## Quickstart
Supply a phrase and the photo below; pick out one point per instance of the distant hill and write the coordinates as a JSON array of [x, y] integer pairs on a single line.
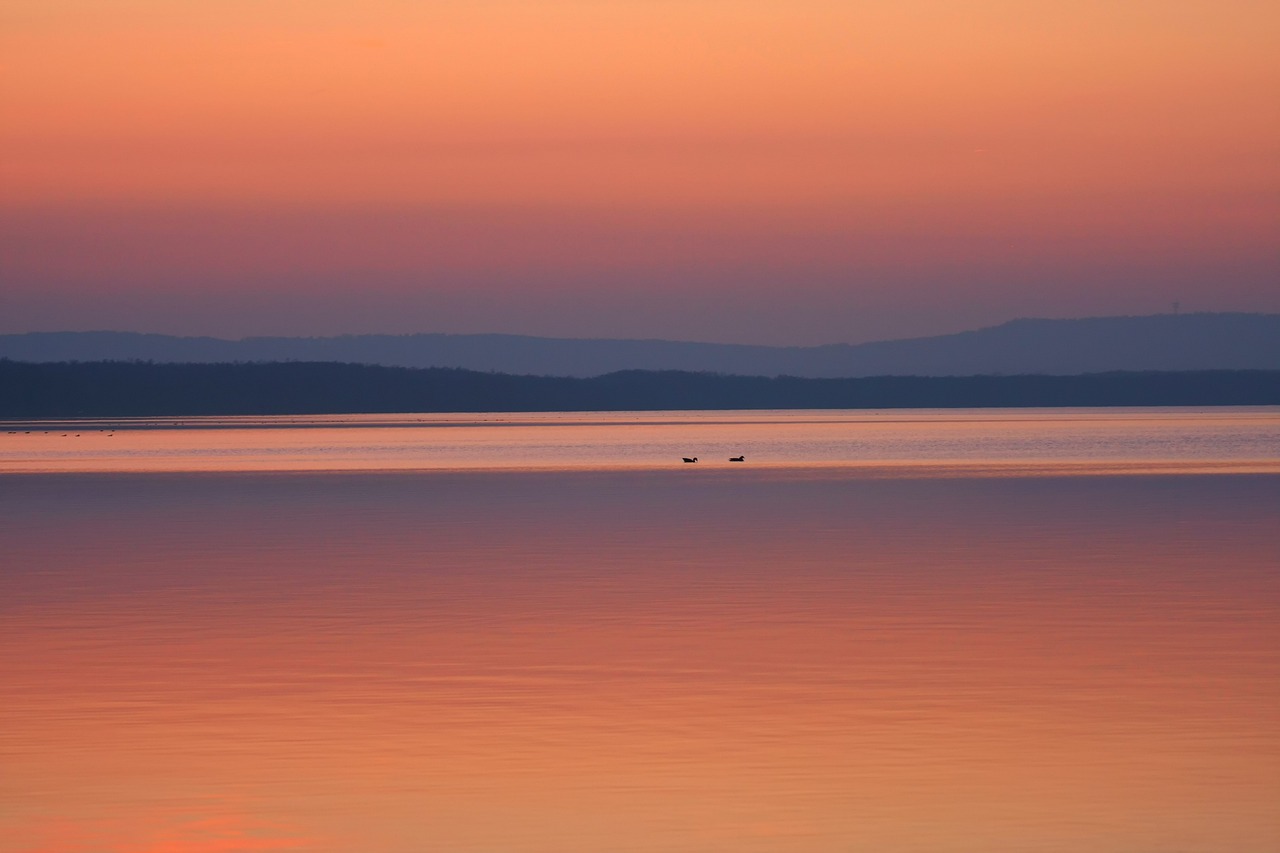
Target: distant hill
[[1165, 342], [138, 389]]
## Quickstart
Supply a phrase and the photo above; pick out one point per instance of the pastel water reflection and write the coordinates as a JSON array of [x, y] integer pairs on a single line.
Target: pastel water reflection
[[781, 659], [1014, 439]]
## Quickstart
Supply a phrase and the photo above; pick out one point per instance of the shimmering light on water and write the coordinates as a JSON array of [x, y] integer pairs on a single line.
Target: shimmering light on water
[[705, 658], [1235, 438]]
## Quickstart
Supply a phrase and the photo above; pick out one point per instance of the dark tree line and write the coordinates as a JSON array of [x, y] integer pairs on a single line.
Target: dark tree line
[[140, 389]]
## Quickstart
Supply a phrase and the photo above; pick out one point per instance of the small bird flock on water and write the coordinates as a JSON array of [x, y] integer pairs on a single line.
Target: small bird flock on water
[[731, 458]]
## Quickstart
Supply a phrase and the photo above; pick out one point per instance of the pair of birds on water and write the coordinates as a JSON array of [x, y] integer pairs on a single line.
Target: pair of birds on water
[[731, 458]]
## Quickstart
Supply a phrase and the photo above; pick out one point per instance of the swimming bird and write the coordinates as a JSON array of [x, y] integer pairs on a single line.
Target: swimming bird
[[737, 459], [688, 459]]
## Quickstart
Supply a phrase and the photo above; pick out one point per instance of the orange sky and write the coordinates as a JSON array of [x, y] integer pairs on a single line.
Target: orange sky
[[895, 167]]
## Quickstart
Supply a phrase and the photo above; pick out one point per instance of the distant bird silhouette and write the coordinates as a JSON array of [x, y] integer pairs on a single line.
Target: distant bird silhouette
[[687, 459], [737, 459]]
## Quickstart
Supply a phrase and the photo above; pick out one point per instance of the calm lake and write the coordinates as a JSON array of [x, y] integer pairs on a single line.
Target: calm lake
[[984, 631]]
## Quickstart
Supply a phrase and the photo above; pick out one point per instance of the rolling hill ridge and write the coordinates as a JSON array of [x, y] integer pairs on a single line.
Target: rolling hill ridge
[[1166, 342]]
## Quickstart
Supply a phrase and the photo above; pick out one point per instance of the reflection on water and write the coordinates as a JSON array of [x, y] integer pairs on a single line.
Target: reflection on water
[[783, 659], [1210, 439]]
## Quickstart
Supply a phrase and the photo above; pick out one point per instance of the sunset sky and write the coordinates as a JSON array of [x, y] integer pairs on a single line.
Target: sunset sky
[[754, 171]]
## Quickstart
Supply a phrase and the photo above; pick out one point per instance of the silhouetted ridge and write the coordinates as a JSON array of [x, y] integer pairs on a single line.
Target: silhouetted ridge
[[1058, 347], [140, 389]]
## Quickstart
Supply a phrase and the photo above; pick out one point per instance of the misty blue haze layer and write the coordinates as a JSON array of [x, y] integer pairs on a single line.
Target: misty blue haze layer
[[1062, 347]]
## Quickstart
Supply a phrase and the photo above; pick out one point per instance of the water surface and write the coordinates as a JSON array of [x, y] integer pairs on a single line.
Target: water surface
[[1221, 439], [1000, 650]]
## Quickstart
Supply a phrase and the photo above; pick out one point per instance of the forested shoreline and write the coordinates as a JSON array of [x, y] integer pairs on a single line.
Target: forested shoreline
[[142, 389]]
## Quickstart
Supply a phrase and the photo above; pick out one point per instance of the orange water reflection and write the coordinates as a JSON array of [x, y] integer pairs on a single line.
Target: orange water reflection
[[637, 661], [962, 442]]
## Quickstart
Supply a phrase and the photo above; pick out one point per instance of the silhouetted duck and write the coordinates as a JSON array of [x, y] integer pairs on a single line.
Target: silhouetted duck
[[737, 459], [689, 459]]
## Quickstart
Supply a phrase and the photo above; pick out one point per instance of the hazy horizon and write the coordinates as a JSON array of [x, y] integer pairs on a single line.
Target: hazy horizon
[[763, 173], [89, 329]]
